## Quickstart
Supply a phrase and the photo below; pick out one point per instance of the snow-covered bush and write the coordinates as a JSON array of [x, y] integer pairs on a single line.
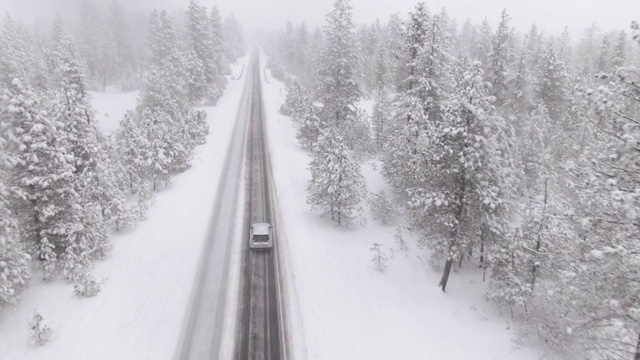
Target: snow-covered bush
[[86, 286], [277, 71], [379, 259], [382, 208], [39, 332], [400, 241]]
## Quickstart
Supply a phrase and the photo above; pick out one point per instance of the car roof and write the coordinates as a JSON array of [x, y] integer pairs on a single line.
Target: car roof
[[261, 228]]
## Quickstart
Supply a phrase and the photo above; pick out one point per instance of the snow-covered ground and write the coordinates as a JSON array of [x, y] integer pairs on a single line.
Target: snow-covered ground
[[340, 308], [110, 107], [148, 278]]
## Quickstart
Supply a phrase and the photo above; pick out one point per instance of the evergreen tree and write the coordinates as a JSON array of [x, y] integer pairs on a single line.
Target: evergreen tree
[[119, 34], [309, 129], [90, 45], [337, 187], [423, 102], [15, 270], [466, 192], [234, 38], [218, 45], [551, 88], [45, 172], [500, 61], [203, 63], [339, 90], [15, 61], [131, 143]]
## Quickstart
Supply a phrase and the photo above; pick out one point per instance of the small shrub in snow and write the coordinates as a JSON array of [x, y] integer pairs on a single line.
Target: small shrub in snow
[[382, 209], [86, 286], [402, 244], [379, 259], [39, 332]]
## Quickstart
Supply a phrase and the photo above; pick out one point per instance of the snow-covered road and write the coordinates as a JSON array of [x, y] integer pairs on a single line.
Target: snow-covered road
[[261, 336], [207, 334]]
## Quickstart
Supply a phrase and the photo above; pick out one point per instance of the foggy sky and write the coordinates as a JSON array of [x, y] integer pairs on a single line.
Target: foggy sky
[[255, 15]]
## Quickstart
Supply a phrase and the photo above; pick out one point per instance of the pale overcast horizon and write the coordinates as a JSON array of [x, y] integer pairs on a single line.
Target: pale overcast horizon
[[551, 15]]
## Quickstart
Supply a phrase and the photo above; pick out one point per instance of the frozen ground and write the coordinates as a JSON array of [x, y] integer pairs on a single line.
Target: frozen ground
[[110, 107], [340, 308], [148, 277]]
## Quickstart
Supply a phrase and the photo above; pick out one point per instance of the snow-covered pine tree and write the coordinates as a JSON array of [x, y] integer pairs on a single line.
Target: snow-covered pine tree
[[400, 162], [338, 90], [90, 44], [203, 63], [15, 266], [164, 103], [297, 102], [484, 46], [233, 38], [302, 65], [39, 332], [381, 115], [218, 45], [552, 82], [466, 192], [602, 289], [197, 127], [43, 168], [379, 258], [195, 81], [309, 129], [15, 61], [500, 61], [94, 174], [119, 35], [421, 104], [620, 53], [131, 143], [53, 52], [159, 157], [519, 84], [337, 187]]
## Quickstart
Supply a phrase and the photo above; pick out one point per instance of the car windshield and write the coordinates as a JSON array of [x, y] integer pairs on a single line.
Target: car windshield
[[261, 238]]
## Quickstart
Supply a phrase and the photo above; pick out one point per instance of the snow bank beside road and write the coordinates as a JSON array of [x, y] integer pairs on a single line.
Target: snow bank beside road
[[140, 312], [345, 309]]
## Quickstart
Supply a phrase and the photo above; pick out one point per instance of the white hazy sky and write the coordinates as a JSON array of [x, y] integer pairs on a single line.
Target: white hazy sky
[[552, 15]]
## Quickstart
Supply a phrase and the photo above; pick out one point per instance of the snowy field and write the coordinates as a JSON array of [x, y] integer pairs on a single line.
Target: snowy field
[[110, 108], [148, 277], [341, 308]]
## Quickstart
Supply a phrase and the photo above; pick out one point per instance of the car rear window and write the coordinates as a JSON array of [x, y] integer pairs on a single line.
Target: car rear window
[[261, 238]]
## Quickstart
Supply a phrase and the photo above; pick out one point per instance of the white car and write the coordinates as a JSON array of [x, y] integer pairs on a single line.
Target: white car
[[261, 236]]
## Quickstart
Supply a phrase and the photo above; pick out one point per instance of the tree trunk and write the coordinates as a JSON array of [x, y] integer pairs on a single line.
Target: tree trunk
[[534, 266], [482, 249], [445, 274]]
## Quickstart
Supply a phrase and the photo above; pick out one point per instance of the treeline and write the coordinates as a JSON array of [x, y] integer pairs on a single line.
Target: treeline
[[64, 186], [514, 153]]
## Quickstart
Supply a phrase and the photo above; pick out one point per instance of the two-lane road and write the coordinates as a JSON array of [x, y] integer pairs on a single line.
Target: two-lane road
[[260, 335], [258, 331]]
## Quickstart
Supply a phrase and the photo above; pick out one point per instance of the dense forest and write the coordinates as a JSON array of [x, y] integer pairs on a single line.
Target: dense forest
[[513, 153], [64, 185]]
